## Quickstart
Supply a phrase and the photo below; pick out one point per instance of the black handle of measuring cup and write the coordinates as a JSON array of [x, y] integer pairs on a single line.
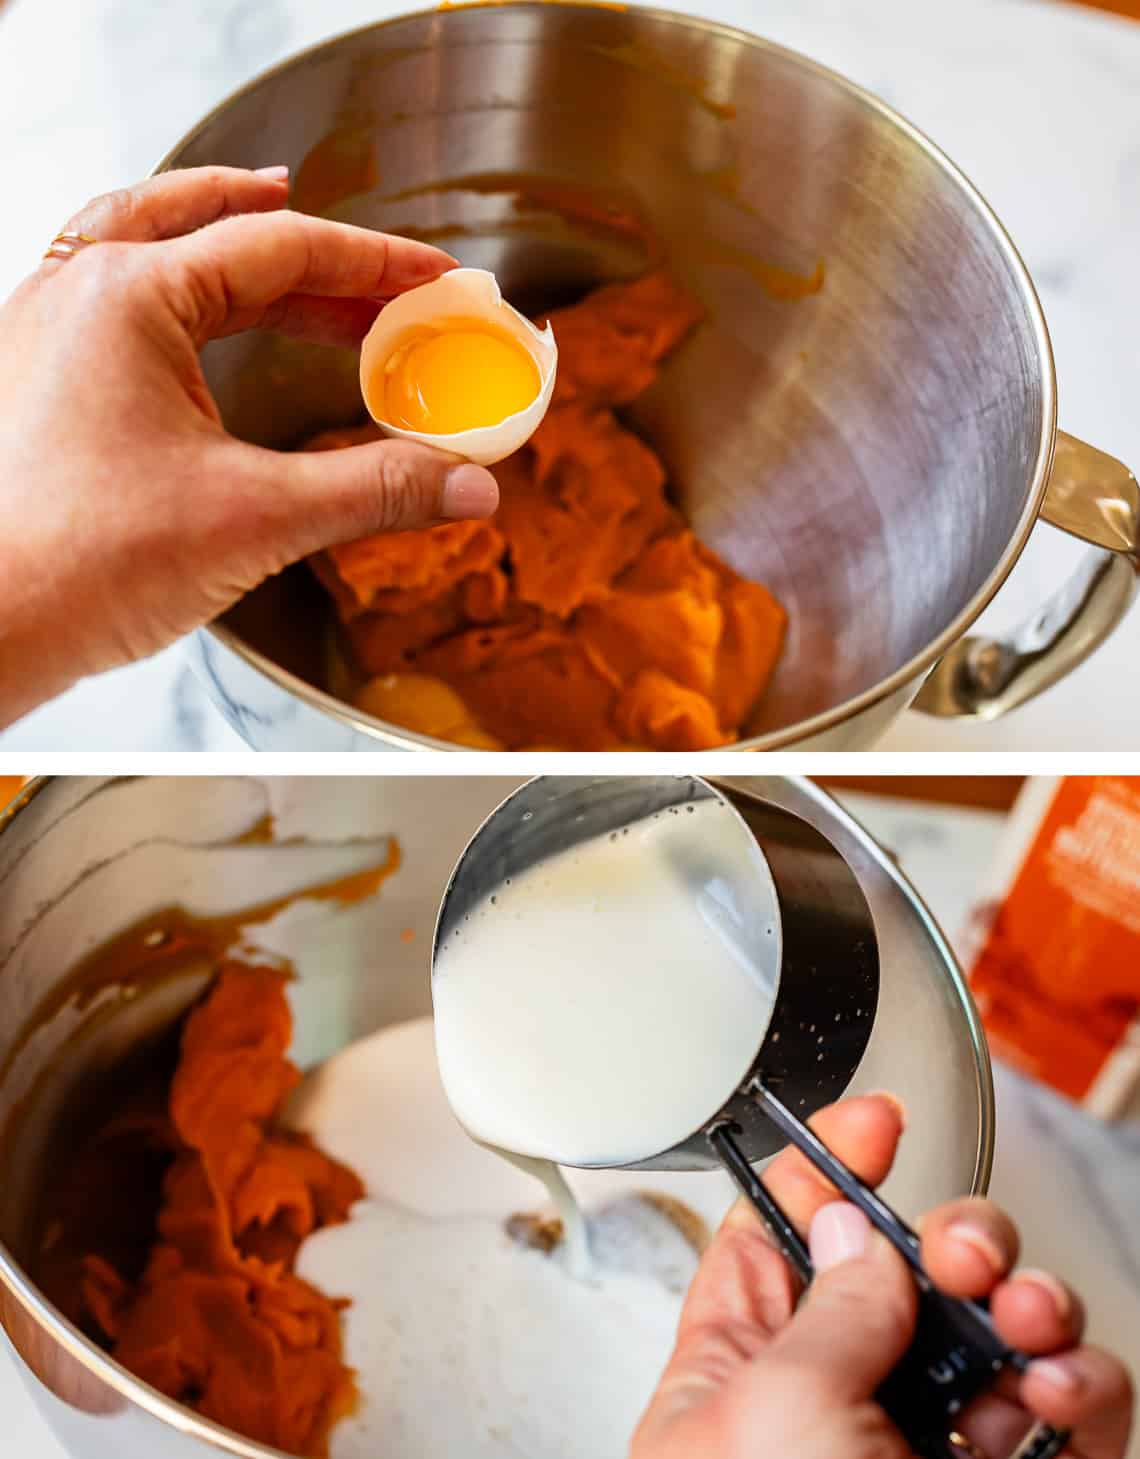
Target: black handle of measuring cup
[[956, 1353]]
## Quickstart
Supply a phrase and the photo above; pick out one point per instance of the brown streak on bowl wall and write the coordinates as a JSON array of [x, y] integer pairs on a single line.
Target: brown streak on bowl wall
[[171, 942]]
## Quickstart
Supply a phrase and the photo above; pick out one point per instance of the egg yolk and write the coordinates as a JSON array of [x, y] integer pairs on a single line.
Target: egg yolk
[[425, 705], [458, 377]]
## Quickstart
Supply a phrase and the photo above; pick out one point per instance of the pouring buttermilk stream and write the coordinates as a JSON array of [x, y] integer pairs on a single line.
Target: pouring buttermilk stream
[[594, 1010]]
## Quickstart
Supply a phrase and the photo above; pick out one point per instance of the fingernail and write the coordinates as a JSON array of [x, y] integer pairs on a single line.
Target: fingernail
[[981, 1242], [894, 1101], [469, 491], [1049, 1284], [274, 174], [1057, 1374], [839, 1232]]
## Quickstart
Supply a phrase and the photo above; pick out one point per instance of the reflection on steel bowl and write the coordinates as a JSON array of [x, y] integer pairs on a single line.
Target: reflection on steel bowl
[[873, 439]]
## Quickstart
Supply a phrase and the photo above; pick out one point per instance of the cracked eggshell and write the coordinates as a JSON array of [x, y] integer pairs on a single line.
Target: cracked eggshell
[[463, 293]]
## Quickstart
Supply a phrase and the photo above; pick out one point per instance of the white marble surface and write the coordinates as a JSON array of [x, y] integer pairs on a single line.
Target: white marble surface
[[1038, 102], [1073, 1185]]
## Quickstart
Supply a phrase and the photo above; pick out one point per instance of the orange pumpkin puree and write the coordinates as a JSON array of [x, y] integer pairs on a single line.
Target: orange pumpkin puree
[[584, 615], [194, 1291]]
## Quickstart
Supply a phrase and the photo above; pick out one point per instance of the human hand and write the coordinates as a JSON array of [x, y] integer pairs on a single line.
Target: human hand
[[131, 515], [751, 1375]]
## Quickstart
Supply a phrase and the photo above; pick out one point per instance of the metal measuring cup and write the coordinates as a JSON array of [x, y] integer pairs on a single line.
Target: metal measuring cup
[[825, 965]]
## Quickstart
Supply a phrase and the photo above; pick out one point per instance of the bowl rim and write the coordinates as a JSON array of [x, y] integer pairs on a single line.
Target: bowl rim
[[916, 667], [166, 1410]]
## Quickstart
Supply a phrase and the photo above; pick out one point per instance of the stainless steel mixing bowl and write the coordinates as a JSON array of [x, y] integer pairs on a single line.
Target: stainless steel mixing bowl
[[82, 859], [877, 451]]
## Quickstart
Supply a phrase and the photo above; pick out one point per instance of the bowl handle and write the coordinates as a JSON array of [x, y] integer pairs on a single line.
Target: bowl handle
[[1094, 497]]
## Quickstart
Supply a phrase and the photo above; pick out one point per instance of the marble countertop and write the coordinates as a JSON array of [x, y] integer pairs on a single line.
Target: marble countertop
[[1073, 1185], [1036, 101]]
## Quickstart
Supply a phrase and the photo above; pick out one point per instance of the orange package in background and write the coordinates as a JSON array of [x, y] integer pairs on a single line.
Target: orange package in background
[[10, 785], [1056, 962]]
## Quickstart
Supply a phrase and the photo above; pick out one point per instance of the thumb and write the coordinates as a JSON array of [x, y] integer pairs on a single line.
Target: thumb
[[321, 498], [742, 1293], [859, 1314]]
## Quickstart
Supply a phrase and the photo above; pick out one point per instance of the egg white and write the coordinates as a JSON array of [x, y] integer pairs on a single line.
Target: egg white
[[464, 293]]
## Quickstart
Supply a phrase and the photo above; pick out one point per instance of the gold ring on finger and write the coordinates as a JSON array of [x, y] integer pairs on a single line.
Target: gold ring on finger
[[67, 245], [967, 1447]]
